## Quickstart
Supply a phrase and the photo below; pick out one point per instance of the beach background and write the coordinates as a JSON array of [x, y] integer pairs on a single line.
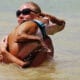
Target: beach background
[[66, 62]]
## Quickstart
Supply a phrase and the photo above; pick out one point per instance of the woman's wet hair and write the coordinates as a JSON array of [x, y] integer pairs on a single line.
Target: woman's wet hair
[[36, 7]]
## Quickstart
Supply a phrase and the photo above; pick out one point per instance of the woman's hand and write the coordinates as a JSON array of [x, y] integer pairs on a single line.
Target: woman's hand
[[3, 44]]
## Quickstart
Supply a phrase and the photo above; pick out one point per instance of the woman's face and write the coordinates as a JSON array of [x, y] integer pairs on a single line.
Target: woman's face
[[26, 12]]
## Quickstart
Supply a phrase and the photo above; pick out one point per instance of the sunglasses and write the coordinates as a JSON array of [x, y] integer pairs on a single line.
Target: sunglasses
[[24, 12]]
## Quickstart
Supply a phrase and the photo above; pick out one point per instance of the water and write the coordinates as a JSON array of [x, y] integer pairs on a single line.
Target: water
[[66, 63]]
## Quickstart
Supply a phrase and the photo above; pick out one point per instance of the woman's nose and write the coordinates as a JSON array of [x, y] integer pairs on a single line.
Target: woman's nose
[[21, 16]]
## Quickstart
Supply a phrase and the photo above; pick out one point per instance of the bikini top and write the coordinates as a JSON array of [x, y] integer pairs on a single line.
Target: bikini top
[[41, 27]]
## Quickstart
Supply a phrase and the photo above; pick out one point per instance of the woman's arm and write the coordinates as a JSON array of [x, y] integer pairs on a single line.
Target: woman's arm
[[9, 58], [55, 24]]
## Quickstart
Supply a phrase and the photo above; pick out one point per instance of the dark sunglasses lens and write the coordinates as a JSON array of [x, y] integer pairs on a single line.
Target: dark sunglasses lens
[[26, 11], [18, 13]]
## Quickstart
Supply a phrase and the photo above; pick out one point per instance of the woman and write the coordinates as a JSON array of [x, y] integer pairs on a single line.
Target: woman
[[29, 11]]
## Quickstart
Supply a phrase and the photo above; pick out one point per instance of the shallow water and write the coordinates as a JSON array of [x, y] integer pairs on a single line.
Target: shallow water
[[66, 63]]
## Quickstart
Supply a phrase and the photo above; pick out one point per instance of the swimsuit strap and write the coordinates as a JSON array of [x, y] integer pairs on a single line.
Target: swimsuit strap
[[42, 28]]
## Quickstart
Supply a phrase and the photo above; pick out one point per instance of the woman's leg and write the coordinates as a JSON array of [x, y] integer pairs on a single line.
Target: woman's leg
[[27, 49], [43, 55]]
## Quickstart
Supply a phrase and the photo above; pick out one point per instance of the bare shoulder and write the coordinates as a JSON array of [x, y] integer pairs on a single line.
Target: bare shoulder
[[28, 26]]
